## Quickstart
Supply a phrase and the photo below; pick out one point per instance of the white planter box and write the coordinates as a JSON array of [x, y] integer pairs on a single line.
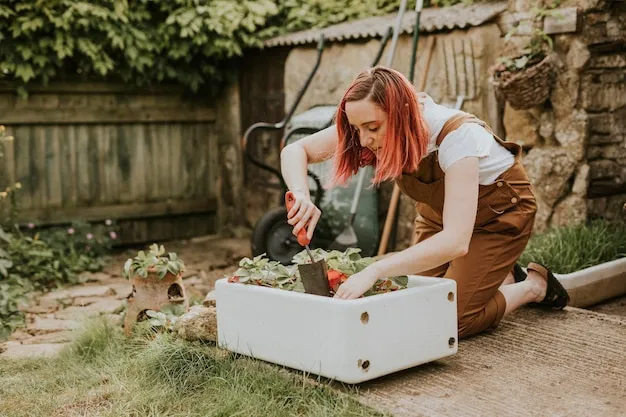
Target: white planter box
[[345, 340]]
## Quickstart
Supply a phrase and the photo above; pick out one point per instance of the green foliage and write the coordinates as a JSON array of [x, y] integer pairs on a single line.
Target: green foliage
[[12, 291], [261, 271], [153, 262], [349, 261], [298, 15], [572, 248], [43, 260], [82, 244], [539, 45], [39, 264], [189, 42], [193, 43]]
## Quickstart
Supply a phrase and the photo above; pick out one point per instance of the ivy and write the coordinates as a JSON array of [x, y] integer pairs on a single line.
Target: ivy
[[142, 42], [193, 43]]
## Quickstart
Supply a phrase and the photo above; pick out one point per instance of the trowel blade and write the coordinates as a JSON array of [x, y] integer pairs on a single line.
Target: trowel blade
[[315, 278]]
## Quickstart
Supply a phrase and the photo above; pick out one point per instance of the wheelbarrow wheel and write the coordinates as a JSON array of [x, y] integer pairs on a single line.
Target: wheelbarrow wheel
[[272, 236]]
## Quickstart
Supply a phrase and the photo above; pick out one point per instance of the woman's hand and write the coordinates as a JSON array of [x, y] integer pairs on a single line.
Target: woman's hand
[[357, 284], [303, 213]]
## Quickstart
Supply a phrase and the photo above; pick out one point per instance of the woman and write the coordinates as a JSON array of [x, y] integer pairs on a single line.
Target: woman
[[475, 202]]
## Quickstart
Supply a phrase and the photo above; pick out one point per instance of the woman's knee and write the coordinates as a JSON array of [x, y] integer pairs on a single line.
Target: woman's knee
[[471, 324]]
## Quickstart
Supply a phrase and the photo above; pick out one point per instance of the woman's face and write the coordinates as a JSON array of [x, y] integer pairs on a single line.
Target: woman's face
[[370, 121]]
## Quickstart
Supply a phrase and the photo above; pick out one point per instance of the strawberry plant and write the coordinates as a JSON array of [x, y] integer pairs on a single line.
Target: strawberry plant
[[261, 271], [153, 262], [341, 265]]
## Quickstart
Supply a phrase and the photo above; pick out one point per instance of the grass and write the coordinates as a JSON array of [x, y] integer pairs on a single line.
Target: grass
[[572, 248], [154, 374]]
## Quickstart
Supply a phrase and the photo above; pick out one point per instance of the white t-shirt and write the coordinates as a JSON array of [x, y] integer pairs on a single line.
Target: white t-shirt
[[470, 139]]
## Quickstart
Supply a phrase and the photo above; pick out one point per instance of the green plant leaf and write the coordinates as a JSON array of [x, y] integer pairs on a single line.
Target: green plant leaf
[[521, 62], [127, 266], [5, 236], [5, 264]]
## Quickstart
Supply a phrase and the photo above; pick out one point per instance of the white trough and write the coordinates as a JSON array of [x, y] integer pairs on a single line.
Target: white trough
[[595, 284], [345, 340]]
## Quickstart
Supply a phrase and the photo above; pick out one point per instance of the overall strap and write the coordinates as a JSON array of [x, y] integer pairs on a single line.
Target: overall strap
[[455, 122]]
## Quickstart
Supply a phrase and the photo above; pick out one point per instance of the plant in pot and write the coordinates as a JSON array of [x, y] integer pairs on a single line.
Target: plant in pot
[[525, 79], [157, 283]]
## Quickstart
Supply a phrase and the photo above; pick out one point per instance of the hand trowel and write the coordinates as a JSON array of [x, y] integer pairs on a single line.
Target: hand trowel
[[314, 275]]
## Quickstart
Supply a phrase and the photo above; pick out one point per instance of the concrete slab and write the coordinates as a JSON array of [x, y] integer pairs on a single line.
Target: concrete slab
[[614, 306], [536, 363]]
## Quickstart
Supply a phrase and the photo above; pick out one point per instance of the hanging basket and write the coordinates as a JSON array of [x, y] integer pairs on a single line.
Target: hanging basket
[[526, 88]]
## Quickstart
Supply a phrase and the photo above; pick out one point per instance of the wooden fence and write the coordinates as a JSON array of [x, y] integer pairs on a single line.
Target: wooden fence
[[95, 151]]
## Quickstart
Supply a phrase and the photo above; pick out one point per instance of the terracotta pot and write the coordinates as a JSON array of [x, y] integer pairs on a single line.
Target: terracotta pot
[[153, 293]]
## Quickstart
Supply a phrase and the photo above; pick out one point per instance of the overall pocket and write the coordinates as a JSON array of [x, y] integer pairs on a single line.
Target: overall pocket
[[498, 208]]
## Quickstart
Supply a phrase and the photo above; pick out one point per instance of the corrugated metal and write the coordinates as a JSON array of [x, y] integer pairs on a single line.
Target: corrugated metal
[[432, 20]]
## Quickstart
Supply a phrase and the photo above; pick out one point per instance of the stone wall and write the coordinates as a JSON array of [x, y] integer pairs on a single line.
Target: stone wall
[[576, 144], [603, 97]]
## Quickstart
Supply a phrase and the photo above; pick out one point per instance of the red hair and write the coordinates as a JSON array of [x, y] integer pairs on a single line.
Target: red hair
[[406, 138]]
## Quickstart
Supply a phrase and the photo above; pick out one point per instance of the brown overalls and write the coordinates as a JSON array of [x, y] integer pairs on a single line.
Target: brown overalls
[[504, 221]]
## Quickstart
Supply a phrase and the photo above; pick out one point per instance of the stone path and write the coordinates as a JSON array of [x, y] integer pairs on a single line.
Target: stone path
[[51, 317]]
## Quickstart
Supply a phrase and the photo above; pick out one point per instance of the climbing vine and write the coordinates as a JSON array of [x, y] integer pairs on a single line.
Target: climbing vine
[[194, 43]]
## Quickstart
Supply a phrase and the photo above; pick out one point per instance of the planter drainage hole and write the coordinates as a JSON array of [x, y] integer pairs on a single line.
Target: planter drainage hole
[[451, 342], [450, 296], [174, 291], [364, 364], [365, 317]]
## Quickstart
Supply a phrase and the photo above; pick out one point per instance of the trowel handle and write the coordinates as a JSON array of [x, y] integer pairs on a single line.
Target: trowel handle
[[290, 199]]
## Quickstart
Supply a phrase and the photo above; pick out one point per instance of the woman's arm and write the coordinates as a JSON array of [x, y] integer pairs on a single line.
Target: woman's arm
[[459, 216], [294, 159]]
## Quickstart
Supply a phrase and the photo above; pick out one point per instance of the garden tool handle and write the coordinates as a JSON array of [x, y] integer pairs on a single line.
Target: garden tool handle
[[290, 199]]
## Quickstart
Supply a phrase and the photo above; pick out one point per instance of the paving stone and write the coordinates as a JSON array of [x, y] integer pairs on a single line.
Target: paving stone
[[101, 306], [42, 309], [19, 335], [56, 337], [15, 350], [115, 319], [122, 289], [193, 280], [49, 325], [95, 276], [83, 291]]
